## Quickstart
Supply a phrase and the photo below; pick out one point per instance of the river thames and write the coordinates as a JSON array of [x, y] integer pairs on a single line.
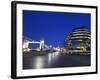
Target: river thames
[[55, 60]]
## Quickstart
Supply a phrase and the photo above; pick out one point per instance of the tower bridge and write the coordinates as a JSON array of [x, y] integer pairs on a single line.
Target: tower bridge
[[42, 45]]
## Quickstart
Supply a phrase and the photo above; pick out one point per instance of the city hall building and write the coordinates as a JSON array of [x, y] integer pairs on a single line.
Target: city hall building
[[79, 41]]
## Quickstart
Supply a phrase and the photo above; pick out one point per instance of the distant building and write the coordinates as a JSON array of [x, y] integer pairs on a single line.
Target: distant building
[[79, 40]]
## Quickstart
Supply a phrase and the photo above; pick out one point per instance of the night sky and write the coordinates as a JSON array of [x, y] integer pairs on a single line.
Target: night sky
[[52, 26]]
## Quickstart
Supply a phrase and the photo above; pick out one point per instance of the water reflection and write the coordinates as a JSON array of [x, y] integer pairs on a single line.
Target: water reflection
[[56, 59], [38, 62], [52, 57], [45, 61]]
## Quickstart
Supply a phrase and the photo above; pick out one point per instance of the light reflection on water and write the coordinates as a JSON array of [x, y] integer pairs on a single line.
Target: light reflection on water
[[53, 57], [42, 61], [39, 63], [56, 59]]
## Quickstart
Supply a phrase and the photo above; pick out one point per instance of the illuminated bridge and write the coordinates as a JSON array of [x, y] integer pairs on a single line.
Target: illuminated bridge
[[41, 43]]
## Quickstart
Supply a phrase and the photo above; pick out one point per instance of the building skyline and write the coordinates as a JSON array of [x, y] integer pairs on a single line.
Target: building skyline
[[52, 26]]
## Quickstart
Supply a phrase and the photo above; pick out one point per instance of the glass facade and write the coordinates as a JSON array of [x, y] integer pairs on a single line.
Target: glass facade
[[78, 39]]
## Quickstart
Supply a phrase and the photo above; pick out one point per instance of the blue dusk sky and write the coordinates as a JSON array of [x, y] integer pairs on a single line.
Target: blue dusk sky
[[52, 26]]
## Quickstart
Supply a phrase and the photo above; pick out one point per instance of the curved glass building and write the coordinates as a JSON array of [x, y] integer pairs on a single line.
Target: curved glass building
[[79, 40]]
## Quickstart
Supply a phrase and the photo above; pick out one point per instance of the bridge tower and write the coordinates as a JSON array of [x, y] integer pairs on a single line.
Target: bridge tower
[[42, 44], [26, 45]]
